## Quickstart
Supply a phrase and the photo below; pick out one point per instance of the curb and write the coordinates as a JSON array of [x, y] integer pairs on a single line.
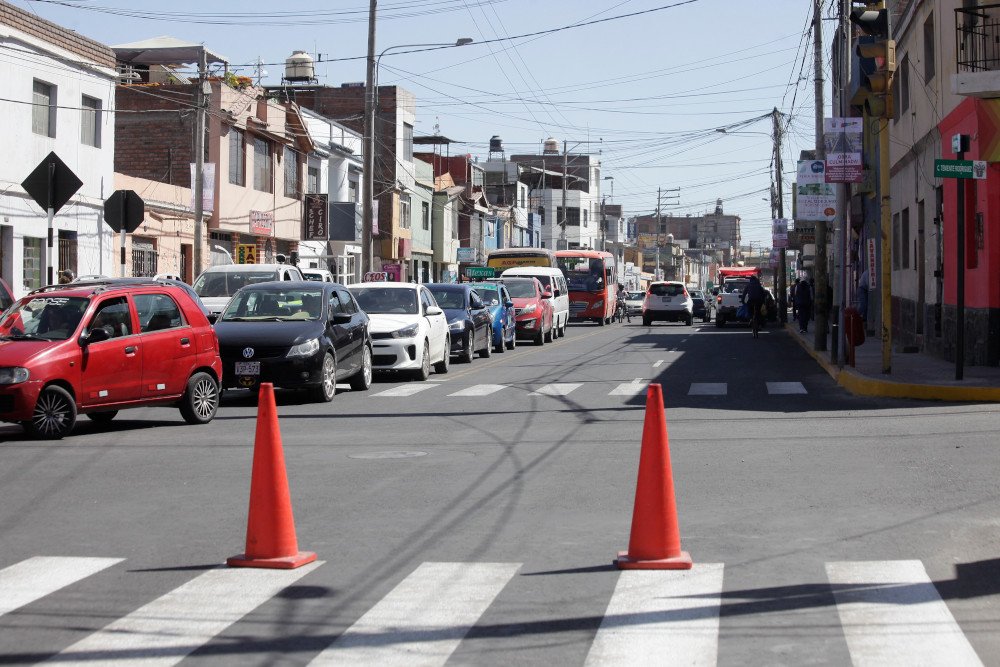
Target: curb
[[862, 385]]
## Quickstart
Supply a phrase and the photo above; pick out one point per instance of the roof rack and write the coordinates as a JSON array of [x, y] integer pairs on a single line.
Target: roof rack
[[101, 285]]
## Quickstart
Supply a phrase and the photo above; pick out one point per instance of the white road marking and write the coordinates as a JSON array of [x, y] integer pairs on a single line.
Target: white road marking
[[480, 390], [658, 363], [633, 388], [34, 578], [708, 389], [404, 390], [557, 389], [661, 617], [786, 388], [169, 628], [892, 615], [423, 619]]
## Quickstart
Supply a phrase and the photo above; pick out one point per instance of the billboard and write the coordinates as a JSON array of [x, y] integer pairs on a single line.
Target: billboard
[[815, 199]]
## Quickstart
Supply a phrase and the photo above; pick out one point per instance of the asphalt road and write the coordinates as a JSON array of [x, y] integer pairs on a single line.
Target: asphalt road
[[479, 528]]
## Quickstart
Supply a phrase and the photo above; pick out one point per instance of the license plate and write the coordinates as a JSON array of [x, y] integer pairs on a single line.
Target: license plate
[[247, 368], [666, 299]]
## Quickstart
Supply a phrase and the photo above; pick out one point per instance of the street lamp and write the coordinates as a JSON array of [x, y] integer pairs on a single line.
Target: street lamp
[[371, 102]]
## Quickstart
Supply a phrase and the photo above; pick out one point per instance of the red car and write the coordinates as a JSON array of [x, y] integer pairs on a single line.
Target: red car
[[532, 308], [97, 348]]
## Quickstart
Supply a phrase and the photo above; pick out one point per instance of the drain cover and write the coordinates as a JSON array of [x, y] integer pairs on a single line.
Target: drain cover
[[388, 455]]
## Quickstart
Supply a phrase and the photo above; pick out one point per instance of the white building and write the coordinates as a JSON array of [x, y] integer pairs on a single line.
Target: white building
[[61, 86]]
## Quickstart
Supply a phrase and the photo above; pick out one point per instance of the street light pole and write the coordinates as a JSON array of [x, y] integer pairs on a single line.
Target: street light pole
[[199, 168]]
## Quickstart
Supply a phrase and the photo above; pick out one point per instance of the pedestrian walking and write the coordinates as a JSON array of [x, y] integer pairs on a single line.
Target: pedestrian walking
[[791, 299], [863, 287], [803, 305]]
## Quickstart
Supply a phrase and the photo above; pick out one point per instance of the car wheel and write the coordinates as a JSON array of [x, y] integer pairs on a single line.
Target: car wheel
[[488, 345], [442, 366], [363, 378], [549, 336], [102, 417], [540, 337], [327, 388], [424, 371], [513, 341], [468, 346], [500, 347], [690, 320], [201, 400], [54, 415]]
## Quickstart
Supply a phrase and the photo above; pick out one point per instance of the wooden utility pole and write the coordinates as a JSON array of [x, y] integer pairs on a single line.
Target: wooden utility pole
[[199, 169], [819, 267], [368, 177], [779, 207]]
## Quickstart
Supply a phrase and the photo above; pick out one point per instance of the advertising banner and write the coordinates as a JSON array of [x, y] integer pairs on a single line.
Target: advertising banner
[[814, 197], [315, 210], [262, 223], [842, 139], [208, 187]]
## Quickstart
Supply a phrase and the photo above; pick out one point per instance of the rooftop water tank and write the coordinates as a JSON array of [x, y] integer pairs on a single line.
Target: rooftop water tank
[[299, 67], [550, 147], [496, 143]]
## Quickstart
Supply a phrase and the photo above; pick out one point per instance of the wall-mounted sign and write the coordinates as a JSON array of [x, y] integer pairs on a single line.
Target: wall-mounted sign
[[842, 139], [815, 199], [466, 255], [315, 212], [262, 223]]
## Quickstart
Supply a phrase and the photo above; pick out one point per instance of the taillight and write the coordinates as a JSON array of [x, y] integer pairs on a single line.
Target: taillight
[[718, 299]]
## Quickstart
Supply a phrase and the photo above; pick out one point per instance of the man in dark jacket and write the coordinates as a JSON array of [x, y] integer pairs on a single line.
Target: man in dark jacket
[[803, 305]]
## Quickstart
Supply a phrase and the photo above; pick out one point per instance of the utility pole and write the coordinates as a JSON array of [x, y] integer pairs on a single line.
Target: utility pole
[[368, 177], [658, 223], [782, 282], [820, 268], [838, 341], [199, 166]]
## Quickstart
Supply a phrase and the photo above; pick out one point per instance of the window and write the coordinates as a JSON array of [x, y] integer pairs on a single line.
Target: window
[[32, 264], [586, 213], [113, 316], [904, 240], [404, 211], [929, 49], [895, 240], [157, 312], [291, 173], [425, 215], [237, 161], [347, 302], [43, 112], [407, 142], [352, 191], [262, 174], [572, 216], [454, 223], [90, 122], [904, 84], [312, 176], [143, 257], [895, 96]]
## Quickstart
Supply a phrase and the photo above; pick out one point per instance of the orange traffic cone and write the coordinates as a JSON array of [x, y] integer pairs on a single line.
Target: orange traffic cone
[[271, 541], [655, 541]]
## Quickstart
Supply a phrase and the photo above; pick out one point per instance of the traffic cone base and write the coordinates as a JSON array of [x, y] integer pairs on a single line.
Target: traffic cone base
[[681, 562], [281, 563]]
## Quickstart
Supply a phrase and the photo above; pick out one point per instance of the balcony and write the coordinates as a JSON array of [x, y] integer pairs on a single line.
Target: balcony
[[977, 49]]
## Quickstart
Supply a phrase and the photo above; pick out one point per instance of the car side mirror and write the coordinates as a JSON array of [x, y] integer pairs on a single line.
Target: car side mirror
[[508, 304], [433, 310], [95, 336], [341, 318], [212, 317]]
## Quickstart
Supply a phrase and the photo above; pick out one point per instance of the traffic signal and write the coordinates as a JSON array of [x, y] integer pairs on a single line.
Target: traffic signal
[[878, 57]]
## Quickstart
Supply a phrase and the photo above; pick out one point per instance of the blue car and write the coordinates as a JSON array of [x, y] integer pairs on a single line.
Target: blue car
[[501, 306], [469, 321]]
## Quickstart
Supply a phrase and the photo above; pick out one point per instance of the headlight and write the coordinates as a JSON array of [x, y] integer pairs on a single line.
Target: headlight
[[457, 326], [306, 349], [14, 375], [528, 309], [406, 332]]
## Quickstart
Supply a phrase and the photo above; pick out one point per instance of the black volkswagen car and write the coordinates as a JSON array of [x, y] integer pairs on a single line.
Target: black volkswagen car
[[296, 335], [470, 322]]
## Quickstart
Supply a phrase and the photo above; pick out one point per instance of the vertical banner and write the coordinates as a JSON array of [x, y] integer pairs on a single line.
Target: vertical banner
[[873, 267], [814, 197], [208, 187], [842, 139], [779, 233], [315, 212]]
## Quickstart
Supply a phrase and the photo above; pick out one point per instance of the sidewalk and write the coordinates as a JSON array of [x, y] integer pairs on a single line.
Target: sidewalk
[[914, 375]]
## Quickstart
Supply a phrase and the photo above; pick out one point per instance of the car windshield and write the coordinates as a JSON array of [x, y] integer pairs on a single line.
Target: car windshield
[[226, 283], [521, 289], [635, 295], [274, 305], [43, 317], [666, 289], [386, 300], [735, 286], [490, 297], [317, 277], [696, 294], [582, 273], [452, 299]]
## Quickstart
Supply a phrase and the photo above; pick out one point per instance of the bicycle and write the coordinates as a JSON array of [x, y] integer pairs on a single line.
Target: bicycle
[[621, 312]]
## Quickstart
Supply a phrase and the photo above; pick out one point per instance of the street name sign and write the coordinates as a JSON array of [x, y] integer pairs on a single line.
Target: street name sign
[[480, 272], [960, 169]]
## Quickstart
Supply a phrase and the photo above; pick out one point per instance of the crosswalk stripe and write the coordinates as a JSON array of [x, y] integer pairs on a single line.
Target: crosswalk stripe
[[892, 615], [708, 389], [167, 629], [632, 388], [34, 578], [661, 617], [404, 390], [557, 389], [786, 388], [423, 619], [480, 390]]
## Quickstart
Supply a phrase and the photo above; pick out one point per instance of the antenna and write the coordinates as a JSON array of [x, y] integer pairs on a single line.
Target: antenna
[[259, 71]]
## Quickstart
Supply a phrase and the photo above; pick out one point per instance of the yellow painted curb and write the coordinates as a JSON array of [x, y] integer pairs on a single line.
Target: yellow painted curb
[[862, 385]]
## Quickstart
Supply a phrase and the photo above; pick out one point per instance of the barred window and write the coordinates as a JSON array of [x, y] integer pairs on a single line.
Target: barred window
[[143, 257], [43, 111], [291, 173]]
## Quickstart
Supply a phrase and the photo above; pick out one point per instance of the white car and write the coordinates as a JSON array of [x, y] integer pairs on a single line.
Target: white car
[[409, 331], [217, 284], [318, 275], [667, 301]]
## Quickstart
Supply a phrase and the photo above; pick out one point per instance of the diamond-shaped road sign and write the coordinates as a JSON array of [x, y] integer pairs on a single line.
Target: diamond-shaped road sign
[[124, 208], [52, 183]]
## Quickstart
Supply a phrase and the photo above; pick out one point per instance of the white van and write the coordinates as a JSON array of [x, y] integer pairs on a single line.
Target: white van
[[551, 279], [217, 283]]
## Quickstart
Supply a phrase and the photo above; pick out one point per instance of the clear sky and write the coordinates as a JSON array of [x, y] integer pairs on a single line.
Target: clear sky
[[646, 91]]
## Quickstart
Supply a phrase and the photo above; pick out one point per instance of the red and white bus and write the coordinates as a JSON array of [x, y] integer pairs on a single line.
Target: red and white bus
[[592, 276]]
